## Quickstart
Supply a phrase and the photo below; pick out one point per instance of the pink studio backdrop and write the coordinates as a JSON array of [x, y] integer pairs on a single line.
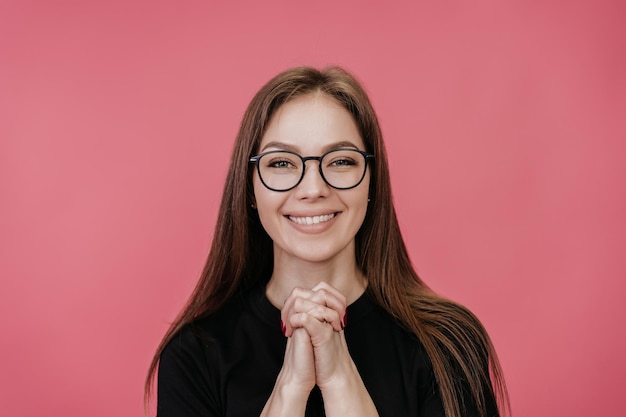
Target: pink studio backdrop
[[505, 129]]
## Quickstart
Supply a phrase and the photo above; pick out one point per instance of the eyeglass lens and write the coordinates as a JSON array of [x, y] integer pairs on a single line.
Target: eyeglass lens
[[343, 168]]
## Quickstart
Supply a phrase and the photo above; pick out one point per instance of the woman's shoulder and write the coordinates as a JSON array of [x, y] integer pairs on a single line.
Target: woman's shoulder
[[190, 363], [208, 328], [245, 312]]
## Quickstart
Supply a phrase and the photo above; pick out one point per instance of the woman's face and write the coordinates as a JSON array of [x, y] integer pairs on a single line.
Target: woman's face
[[313, 221]]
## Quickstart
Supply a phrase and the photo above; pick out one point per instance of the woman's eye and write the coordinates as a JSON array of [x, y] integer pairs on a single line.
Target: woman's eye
[[343, 162], [280, 164]]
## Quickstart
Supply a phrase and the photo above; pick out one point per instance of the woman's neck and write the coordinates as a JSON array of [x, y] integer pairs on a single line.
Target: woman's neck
[[344, 275]]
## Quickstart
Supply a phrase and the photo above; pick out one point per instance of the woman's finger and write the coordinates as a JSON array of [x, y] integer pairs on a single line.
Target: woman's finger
[[328, 299], [332, 290], [323, 296], [319, 331], [321, 312], [288, 306], [332, 298]]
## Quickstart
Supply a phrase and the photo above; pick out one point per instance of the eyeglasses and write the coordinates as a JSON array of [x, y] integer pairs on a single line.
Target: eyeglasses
[[342, 169]]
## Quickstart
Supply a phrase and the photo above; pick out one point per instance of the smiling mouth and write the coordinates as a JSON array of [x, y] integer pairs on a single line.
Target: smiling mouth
[[312, 220]]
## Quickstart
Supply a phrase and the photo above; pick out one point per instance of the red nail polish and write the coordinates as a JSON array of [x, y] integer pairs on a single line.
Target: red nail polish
[[283, 328], [344, 322]]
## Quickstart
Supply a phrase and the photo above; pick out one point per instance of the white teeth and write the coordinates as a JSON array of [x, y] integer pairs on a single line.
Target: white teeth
[[312, 220]]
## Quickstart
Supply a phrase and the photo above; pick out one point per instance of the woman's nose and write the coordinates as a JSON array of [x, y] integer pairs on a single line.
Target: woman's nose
[[312, 184]]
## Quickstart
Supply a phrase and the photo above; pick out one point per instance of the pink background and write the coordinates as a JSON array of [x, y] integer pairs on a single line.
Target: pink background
[[505, 129]]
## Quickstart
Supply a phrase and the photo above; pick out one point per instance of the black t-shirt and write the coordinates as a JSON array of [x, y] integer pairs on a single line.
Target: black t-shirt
[[226, 364]]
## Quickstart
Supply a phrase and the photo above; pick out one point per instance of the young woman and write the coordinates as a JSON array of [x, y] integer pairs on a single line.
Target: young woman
[[308, 304]]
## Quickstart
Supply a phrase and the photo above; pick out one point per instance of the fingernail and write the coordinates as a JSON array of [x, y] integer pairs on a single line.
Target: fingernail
[[344, 322], [283, 328]]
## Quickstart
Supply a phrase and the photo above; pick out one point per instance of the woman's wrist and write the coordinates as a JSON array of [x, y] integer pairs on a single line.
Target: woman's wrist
[[340, 383], [287, 399], [291, 388], [345, 395]]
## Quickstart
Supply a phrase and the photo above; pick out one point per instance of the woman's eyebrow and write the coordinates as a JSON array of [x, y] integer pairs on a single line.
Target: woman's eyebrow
[[338, 145], [288, 147], [280, 145]]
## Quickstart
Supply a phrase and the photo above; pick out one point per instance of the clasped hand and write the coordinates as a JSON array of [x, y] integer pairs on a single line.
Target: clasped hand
[[316, 353]]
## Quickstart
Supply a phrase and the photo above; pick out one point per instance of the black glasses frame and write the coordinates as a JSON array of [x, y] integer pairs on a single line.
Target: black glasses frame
[[255, 160]]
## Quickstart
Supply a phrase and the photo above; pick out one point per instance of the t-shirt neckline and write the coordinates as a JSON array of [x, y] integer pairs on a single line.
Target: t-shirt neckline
[[271, 315]]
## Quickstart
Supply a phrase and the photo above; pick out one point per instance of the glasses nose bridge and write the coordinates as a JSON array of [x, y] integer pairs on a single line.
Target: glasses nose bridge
[[305, 159], [312, 158]]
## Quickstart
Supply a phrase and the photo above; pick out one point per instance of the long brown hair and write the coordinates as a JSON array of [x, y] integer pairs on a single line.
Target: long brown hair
[[241, 253]]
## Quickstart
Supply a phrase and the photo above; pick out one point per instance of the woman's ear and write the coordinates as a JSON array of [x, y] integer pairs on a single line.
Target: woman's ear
[[250, 195], [252, 200]]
